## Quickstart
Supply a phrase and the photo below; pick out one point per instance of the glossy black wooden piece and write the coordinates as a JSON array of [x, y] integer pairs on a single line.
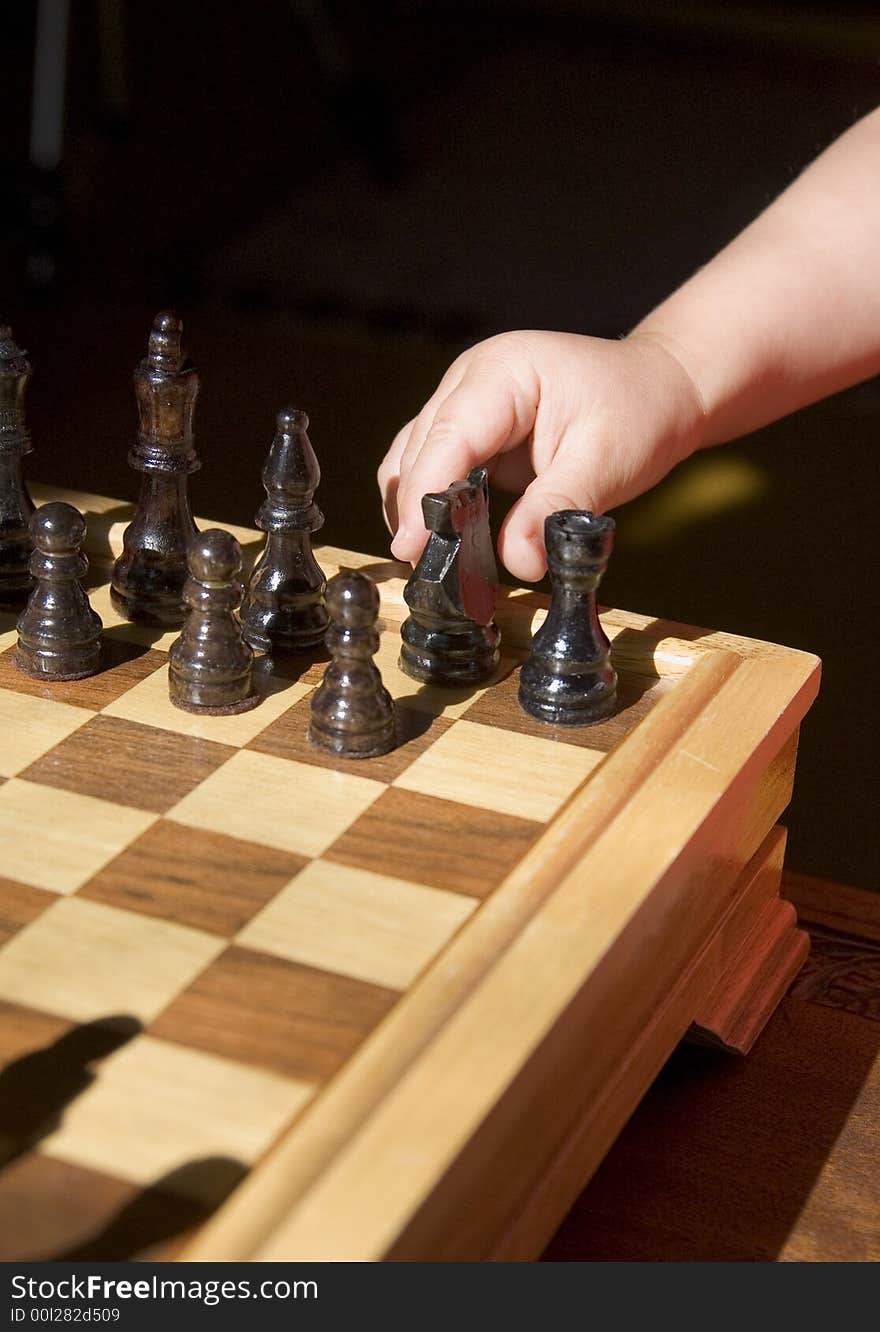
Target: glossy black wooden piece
[[283, 608], [352, 711], [450, 636], [59, 635], [16, 505], [568, 679], [210, 665], [148, 577]]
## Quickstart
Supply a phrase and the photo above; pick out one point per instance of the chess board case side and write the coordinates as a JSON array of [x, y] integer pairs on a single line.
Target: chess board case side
[[544, 1038], [456, 1140]]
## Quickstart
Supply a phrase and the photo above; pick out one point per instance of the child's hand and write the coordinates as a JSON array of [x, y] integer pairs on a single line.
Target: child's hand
[[571, 422]]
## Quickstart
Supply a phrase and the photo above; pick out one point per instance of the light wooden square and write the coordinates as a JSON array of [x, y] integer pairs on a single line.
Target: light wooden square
[[277, 802], [85, 961], [358, 923], [30, 725], [390, 575], [155, 1107], [148, 703], [149, 635], [501, 770], [439, 700], [58, 839]]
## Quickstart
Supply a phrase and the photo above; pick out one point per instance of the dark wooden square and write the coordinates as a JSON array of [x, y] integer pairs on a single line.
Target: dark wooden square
[[636, 696], [262, 1010], [19, 905], [123, 664], [197, 878], [50, 1208], [287, 737], [142, 766], [436, 842]]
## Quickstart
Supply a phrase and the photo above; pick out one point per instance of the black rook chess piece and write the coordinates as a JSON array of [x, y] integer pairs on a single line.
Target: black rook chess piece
[[149, 575], [450, 636], [567, 679], [59, 635], [210, 665], [352, 712], [16, 505], [283, 608]]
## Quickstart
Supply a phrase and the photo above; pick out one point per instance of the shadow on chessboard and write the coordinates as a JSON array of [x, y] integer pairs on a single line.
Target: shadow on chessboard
[[170, 1208], [102, 526], [36, 1089]]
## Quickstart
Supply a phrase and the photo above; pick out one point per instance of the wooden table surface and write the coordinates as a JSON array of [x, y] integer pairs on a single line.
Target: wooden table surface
[[773, 1157]]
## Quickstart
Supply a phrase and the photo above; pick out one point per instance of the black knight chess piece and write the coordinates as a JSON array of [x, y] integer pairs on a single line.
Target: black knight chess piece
[[283, 609], [59, 635], [567, 679], [450, 636], [16, 505], [148, 577], [210, 665], [352, 712]]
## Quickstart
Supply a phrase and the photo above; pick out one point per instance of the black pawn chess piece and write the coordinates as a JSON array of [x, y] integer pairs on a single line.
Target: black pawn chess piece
[[283, 608], [210, 665], [450, 636], [148, 577], [567, 679], [16, 505], [59, 635], [352, 712]]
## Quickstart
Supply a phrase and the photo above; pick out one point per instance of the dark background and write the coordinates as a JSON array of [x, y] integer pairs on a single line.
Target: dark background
[[340, 197]]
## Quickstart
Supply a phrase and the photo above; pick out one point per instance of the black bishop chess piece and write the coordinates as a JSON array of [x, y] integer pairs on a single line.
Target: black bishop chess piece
[[568, 679], [352, 711], [59, 635], [450, 636], [148, 577], [16, 505], [283, 608], [210, 665]]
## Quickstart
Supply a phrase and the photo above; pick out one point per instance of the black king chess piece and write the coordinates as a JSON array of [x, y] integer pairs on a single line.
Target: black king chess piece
[[283, 609], [59, 635], [450, 636], [148, 577], [567, 679], [16, 505], [210, 665], [352, 712]]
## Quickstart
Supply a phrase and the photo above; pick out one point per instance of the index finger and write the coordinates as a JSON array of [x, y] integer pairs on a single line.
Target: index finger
[[482, 417]]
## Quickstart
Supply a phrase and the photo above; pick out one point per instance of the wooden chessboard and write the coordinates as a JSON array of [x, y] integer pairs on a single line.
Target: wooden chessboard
[[258, 1003]]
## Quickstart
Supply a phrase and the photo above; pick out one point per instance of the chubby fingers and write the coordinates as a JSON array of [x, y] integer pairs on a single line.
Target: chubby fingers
[[487, 412], [388, 477], [564, 485]]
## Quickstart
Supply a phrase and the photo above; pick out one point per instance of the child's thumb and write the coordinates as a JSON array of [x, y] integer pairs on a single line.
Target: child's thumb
[[521, 540]]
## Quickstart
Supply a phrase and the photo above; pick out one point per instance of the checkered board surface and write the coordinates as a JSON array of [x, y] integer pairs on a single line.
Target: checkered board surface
[[201, 919]]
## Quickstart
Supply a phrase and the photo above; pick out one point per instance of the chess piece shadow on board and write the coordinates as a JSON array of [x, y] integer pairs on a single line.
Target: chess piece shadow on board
[[148, 577], [352, 711], [567, 678], [16, 505], [283, 608], [450, 636], [210, 668], [36, 1088], [59, 635], [169, 1207]]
